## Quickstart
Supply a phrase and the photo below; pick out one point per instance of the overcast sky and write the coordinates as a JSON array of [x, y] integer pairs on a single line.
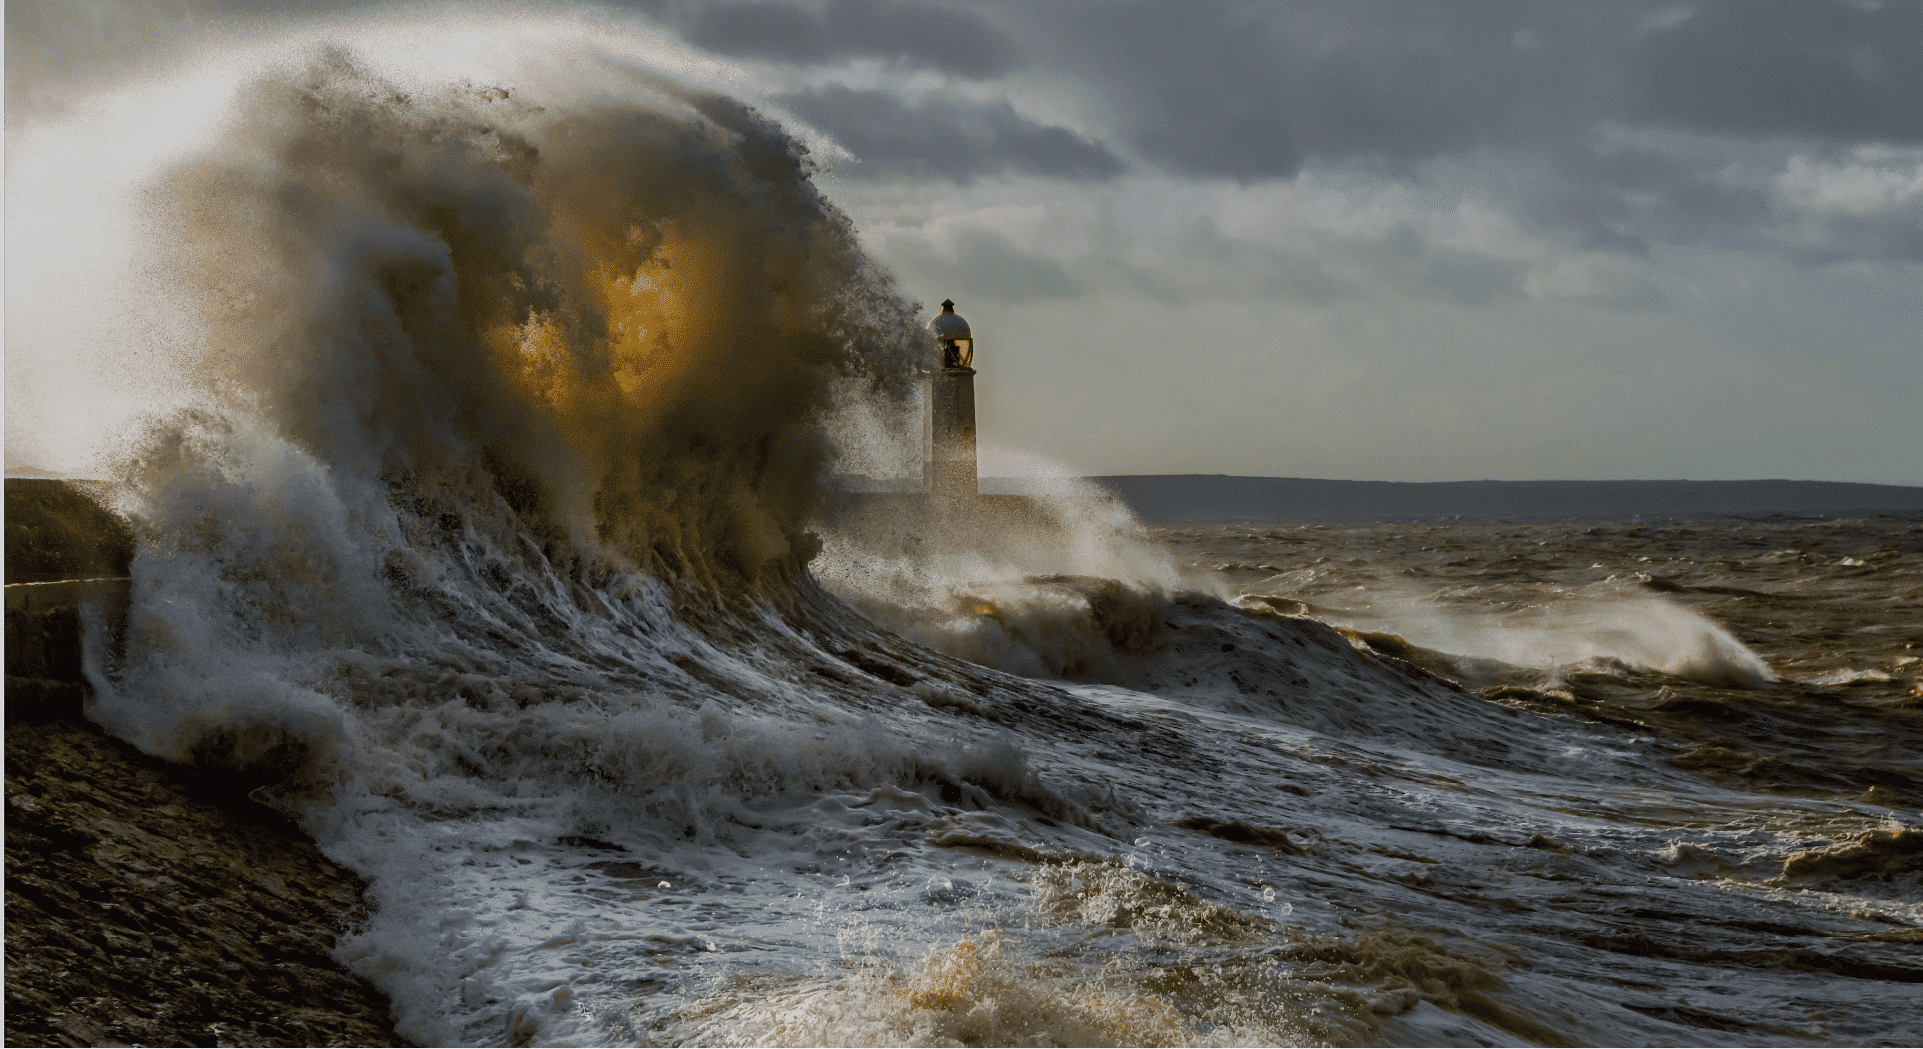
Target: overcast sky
[[1398, 241]]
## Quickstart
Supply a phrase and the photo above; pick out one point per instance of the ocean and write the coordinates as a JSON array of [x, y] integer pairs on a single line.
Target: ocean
[[497, 550]]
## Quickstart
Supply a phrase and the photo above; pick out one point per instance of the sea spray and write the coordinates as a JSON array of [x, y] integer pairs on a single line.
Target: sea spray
[[1060, 581]]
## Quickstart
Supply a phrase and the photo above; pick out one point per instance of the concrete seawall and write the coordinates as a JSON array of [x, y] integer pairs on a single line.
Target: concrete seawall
[[47, 628], [188, 914], [67, 558]]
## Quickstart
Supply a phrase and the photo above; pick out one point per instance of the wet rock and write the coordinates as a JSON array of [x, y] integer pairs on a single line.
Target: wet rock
[[142, 910]]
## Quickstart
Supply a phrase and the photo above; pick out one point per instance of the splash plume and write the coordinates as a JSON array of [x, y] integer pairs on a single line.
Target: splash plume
[[617, 324]]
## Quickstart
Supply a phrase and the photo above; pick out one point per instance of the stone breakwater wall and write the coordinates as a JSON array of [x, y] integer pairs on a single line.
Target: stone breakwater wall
[[46, 627], [67, 559], [146, 903]]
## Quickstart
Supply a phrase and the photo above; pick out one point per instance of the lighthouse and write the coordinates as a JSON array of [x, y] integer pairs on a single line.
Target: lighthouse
[[949, 471]]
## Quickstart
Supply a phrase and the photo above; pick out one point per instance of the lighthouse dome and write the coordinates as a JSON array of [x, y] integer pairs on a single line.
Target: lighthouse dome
[[948, 324]]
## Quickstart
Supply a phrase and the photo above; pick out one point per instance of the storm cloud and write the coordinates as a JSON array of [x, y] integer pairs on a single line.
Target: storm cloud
[[936, 137], [1620, 124], [1227, 89], [948, 38], [1830, 71]]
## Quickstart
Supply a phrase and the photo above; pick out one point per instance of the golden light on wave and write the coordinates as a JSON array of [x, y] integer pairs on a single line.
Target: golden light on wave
[[656, 300], [656, 312]]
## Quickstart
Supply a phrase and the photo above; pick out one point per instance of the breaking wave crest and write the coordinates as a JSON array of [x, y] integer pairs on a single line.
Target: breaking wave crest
[[497, 371]]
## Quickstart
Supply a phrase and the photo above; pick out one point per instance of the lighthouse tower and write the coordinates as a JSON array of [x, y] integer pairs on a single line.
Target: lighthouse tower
[[949, 472]]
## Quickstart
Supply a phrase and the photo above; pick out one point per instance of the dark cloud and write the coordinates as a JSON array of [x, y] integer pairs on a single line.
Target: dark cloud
[[1825, 70], [1223, 88], [1614, 126], [1620, 125], [936, 137], [951, 39], [1251, 91]]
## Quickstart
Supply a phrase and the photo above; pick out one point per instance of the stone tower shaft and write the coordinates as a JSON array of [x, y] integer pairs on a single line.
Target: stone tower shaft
[[950, 434]]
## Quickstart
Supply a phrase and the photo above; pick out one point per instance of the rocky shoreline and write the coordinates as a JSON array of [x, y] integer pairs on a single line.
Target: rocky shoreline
[[147, 903], [142, 911]]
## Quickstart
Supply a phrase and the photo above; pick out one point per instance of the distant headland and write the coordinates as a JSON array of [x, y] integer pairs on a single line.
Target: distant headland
[[1215, 497]]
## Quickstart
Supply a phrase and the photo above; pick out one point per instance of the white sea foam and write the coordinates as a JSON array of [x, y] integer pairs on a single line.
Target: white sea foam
[[1647, 632]]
